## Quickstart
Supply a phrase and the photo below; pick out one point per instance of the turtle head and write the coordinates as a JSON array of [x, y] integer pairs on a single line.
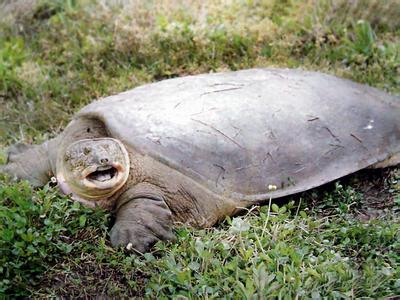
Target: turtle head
[[94, 169]]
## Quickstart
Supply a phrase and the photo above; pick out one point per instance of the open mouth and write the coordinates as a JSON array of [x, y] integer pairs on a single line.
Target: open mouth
[[103, 174]]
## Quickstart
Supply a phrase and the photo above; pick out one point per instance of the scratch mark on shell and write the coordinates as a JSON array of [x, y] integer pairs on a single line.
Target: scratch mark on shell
[[358, 140], [278, 74], [222, 90], [335, 147], [203, 111], [155, 140], [220, 132], [228, 83], [356, 137], [333, 135], [313, 119], [247, 167], [299, 170], [238, 130], [270, 156], [220, 174]]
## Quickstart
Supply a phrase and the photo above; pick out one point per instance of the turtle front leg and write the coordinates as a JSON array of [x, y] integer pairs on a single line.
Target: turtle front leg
[[35, 163], [143, 218]]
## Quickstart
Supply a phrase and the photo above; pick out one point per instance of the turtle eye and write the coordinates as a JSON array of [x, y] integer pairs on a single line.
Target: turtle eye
[[67, 156], [86, 150]]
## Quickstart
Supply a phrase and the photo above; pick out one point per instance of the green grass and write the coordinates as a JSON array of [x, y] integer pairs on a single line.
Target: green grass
[[341, 241], [53, 246]]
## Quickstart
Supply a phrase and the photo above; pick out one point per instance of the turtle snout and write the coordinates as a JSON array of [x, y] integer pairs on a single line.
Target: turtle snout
[[104, 161]]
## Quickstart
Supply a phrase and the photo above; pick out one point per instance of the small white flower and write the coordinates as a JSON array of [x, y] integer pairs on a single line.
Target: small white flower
[[53, 179], [129, 246], [272, 187]]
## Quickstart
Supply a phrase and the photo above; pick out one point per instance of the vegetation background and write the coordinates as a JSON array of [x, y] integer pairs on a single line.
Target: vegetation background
[[340, 241]]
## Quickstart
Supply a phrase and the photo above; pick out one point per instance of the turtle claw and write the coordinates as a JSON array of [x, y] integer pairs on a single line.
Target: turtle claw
[[139, 237], [141, 223], [132, 235]]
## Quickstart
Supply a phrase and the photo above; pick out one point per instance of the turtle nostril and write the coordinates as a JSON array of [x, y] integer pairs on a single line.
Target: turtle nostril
[[103, 161]]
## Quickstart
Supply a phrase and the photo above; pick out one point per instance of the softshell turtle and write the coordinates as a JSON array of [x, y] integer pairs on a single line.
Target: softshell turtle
[[193, 150]]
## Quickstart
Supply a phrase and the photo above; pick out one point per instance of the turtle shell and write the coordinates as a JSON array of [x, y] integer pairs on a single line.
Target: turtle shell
[[239, 133]]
